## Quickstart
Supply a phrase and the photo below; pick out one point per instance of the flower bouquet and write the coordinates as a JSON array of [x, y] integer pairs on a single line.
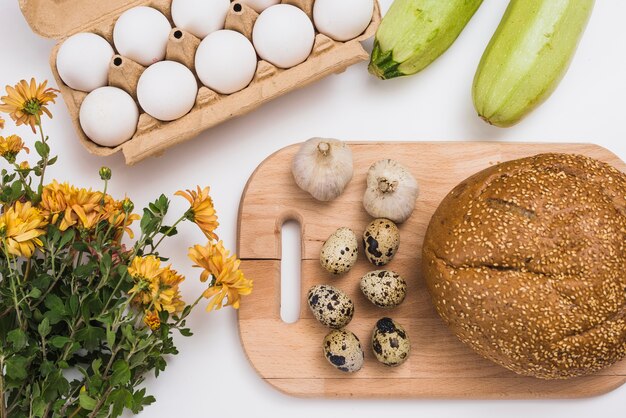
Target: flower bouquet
[[86, 311]]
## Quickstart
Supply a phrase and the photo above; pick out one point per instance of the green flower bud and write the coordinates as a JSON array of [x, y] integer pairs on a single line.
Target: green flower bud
[[105, 173], [128, 206]]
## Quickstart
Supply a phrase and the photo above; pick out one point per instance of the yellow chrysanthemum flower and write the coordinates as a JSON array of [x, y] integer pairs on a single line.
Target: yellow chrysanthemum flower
[[155, 286], [169, 298], [84, 208], [113, 211], [202, 211], [228, 281], [21, 225], [26, 103], [11, 146], [77, 206], [24, 165], [152, 320]]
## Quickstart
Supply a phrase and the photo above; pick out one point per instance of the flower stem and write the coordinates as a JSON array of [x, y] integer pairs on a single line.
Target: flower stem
[[13, 289], [45, 158], [3, 410], [171, 228]]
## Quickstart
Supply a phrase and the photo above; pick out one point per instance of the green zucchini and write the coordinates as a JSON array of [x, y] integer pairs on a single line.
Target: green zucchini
[[414, 33], [527, 57]]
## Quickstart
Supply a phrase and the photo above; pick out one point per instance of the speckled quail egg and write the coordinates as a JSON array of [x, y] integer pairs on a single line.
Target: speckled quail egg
[[390, 342], [381, 240], [385, 289], [343, 350], [340, 251], [331, 306]]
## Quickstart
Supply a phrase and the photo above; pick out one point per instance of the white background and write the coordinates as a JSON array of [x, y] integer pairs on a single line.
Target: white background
[[211, 377]]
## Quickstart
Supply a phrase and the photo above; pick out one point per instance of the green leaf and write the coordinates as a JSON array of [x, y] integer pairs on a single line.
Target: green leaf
[[34, 293], [55, 304], [59, 341], [44, 328], [110, 337], [47, 367], [137, 360], [140, 400], [128, 333], [121, 398], [42, 281], [16, 367], [66, 238], [105, 264], [54, 317], [186, 332], [90, 337], [168, 231], [86, 402], [146, 219], [74, 304], [95, 366], [80, 246], [39, 407], [84, 270], [121, 373], [42, 149], [17, 338]]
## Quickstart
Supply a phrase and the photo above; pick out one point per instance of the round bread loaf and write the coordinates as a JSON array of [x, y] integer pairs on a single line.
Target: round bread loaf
[[526, 262]]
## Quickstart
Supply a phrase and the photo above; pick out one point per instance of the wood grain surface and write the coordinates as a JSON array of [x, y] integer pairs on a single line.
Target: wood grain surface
[[289, 356]]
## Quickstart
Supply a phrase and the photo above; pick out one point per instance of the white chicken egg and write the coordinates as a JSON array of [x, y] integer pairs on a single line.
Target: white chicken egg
[[83, 61], [141, 34], [109, 116], [342, 20], [283, 35], [200, 17], [226, 61], [259, 5], [167, 90]]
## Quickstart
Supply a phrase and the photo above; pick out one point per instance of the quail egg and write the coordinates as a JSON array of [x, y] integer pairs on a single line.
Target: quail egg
[[340, 251], [390, 342], [332, 307], [385, 289], [343, 350], [381, 240]]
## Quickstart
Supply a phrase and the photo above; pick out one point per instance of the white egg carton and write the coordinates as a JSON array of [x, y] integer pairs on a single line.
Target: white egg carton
[[59, 19]]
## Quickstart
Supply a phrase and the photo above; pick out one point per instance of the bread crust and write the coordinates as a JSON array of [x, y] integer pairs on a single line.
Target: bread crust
[[526, 262]]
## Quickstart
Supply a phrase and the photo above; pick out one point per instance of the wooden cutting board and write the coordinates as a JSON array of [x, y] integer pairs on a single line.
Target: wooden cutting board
[[289, 356]]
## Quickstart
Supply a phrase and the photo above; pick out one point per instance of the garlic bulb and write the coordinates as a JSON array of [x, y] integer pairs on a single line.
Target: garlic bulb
[[391, 191], [323, 167]]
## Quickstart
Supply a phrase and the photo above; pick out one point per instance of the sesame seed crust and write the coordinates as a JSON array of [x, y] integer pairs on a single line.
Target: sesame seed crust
[[526, 262]]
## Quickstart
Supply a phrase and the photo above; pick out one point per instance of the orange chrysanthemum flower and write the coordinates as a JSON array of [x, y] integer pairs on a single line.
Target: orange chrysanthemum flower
[[155, 286], [202, 211], [114, 212], [11, 146], [1, 123], [74, 206], [21, 226], [84, 208], [152, 320], [25, 103], [228, 281]]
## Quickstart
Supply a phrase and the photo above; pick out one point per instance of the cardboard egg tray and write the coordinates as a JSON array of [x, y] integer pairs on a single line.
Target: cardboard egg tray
[[59, 19]]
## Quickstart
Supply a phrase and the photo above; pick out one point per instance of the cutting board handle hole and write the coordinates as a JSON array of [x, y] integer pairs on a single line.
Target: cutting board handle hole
[[290, 271]]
